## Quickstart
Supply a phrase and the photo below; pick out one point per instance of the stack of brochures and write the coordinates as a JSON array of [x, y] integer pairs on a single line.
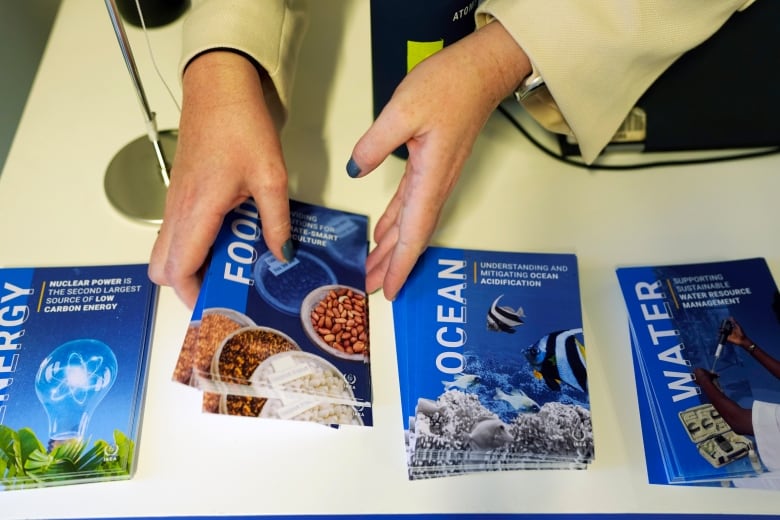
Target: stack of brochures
[[284, 340], [706, 339], [75, 348], [491, 359]]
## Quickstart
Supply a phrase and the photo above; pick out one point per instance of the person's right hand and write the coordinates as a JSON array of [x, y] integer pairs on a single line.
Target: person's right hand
[[228, 150]]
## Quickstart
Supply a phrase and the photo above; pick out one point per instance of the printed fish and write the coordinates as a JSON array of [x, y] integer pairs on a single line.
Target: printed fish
[[488, 434], [517, 399], [559, 357], [504, 318], [463, 381]]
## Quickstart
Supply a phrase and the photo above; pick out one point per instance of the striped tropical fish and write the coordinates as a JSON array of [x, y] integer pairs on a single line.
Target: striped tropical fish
[[504, 318], [560, 357]]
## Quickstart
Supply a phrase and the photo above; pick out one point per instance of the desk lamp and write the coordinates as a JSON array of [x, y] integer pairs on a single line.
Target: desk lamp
[[137, 177]]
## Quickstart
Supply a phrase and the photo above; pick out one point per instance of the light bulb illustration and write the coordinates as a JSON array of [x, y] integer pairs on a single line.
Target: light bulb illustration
[[70, 384]]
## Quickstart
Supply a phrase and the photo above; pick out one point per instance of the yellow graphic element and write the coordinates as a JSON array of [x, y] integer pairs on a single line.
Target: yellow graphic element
[[674, 295], [40, 298], [418, 51]]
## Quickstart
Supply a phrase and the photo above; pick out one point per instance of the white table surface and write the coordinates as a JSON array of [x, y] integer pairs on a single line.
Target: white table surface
[[82, 110]]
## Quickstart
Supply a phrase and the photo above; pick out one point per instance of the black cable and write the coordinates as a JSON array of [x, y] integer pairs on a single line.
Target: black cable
[[635, 166]]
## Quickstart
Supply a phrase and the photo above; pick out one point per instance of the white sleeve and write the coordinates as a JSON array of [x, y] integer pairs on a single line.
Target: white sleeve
[[766, 429], [268, 31], [598, 58]]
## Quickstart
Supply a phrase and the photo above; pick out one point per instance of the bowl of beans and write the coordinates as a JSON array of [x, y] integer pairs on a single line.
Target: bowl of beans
[[335, 318], [237, 358], [310, 387], [285, 285]]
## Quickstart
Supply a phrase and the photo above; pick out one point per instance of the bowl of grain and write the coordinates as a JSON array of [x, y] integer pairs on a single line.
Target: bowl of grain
[[237, 358], [203, 338]]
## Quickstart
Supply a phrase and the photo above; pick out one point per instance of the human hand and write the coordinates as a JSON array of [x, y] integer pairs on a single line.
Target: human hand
[[703, 376], [737, 335], [228, 150], [437, 111]]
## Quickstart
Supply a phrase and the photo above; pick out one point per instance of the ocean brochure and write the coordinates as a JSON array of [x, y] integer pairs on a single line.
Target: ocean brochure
[[74, 349], [491, 360], [284, 340], [684, 320]]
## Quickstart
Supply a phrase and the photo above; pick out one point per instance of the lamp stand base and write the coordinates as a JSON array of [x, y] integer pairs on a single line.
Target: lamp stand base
[[134, 184]]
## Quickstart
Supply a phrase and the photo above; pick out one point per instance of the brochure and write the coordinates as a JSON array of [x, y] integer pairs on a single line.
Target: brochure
[[284, 340], [74, 349], [491, 358], [704, 337]]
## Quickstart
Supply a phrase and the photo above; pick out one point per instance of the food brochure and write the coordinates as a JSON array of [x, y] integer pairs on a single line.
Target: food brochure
[[492, 366], [704, 337], [283, 340], [74, 349]]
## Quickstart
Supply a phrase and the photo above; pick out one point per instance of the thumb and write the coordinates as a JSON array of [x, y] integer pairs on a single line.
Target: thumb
[[385, 135]]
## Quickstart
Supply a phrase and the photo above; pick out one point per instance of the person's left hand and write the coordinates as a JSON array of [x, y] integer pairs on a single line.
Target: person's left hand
[[437, 111], [702, 375]]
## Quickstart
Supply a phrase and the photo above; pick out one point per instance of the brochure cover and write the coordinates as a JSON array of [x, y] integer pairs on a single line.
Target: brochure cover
[[654, 459], [491, 357], [74, 348], [706, 340], [284, 340]]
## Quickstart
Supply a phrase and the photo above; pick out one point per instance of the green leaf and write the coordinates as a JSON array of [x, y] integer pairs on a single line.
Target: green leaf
[[60, 467], [9, 442], [69, 450], [38, 461], [10, 454], [92, 459], [25, 461], [126, 449], [29, 444]]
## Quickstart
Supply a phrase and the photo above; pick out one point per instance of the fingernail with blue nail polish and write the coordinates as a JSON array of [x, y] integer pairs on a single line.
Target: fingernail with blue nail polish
[[352, 168], [288, 251]]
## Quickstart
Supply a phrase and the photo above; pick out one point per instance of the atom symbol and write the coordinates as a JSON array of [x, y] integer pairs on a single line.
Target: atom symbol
[[77, 378]]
